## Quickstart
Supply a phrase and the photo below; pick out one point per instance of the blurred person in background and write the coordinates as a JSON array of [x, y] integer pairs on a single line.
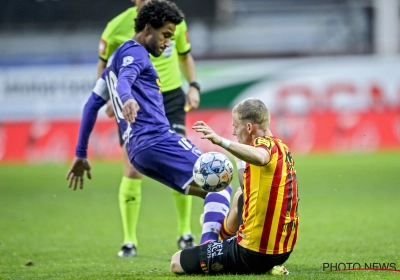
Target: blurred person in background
[[173, 60], [268, 233]]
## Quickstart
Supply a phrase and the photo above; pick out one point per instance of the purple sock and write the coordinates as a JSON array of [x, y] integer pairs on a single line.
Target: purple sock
[[216, 207]]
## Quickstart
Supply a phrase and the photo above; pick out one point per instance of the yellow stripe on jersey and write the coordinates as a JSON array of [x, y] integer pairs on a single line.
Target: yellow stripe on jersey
[[270, 218]]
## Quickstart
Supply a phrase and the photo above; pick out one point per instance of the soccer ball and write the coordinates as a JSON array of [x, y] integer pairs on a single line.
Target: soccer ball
[[213, 172]]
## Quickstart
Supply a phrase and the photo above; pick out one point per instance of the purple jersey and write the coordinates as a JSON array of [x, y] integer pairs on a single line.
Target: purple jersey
[[129, 74]]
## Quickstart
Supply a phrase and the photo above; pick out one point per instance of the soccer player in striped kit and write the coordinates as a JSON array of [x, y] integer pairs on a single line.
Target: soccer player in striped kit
[[268, 233], [133, 85]]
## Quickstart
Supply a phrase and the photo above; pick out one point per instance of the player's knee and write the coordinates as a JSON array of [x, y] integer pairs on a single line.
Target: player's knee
[[176, 263]]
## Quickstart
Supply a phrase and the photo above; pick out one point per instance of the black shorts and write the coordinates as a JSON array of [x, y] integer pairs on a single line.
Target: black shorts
[[174, 103], [227, 256]]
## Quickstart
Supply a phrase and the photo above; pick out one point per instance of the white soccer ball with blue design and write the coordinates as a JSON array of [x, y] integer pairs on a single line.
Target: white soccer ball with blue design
[[213, 171]]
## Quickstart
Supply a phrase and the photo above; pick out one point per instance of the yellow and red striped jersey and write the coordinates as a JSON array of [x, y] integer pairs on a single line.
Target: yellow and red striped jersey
[[270, 211]]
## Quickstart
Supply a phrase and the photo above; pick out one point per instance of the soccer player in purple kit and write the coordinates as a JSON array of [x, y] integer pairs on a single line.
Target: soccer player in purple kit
[[133, 85], [174, 64]]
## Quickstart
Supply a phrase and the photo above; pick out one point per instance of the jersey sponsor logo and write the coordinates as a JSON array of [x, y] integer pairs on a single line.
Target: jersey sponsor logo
[[158, 82], [102, 47], [217, 266], [127, 60], [214, 249], [264, 141]]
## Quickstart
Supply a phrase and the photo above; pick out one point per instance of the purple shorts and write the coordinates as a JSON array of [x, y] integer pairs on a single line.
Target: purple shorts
[[169, 162]]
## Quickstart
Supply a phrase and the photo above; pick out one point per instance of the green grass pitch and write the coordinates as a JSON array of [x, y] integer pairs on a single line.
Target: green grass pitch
[[349, 211]]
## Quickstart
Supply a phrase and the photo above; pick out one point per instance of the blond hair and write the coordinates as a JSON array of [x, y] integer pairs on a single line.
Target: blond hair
[[253, 110]]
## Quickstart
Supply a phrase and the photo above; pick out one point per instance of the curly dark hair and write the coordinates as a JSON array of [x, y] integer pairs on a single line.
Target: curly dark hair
[[157, 13]]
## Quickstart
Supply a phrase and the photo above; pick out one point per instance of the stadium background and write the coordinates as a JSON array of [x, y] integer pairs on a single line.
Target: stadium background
[[329, 71]]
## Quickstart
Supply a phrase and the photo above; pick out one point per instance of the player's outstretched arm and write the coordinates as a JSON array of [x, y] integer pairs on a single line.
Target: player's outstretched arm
[[208, 133], [247, 153], [76, 173], [80, 164]]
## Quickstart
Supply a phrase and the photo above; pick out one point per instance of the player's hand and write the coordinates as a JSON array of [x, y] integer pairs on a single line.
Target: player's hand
[[129, 110], [77, 171], [208, 133], [192, 99]]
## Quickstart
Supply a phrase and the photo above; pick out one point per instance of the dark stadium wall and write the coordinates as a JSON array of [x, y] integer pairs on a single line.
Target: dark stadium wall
[[73, 13]]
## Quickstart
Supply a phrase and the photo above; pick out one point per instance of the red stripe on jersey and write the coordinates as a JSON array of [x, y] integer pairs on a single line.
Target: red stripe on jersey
[[282, 219], [246, 184], [292, 211], [272, 201], [246, 202]]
